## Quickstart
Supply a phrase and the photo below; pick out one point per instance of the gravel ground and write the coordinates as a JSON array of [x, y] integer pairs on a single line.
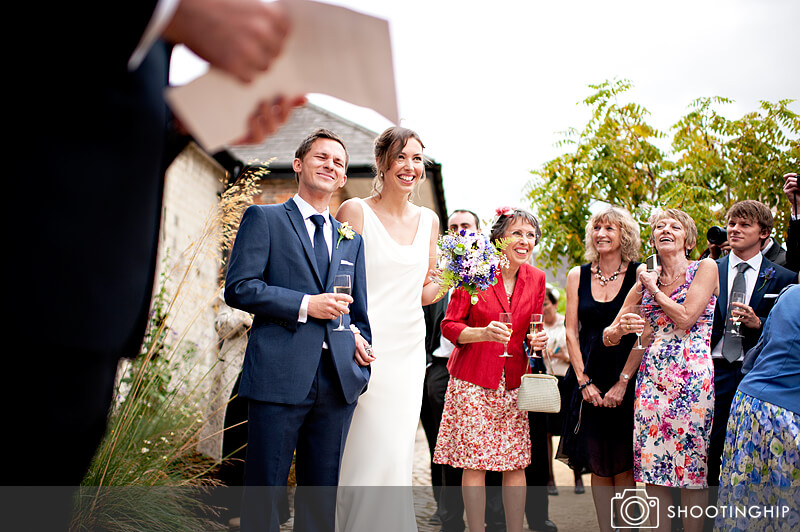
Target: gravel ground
[[569, 511]]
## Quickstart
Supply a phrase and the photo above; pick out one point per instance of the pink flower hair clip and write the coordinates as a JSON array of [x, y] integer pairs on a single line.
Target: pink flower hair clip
[[503, 211]]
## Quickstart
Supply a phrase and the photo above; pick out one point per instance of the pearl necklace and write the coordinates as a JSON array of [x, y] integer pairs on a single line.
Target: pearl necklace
[[605, 280]]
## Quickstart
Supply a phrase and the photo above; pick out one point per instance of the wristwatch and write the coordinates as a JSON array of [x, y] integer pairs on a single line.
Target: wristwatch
[[625, 377]]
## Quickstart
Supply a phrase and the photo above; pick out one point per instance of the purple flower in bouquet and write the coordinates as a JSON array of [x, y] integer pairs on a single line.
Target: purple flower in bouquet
[[469, 261]]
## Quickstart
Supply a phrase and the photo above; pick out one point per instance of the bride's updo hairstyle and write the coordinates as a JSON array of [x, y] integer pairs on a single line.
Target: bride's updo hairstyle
[[387, 147], [505, 216]]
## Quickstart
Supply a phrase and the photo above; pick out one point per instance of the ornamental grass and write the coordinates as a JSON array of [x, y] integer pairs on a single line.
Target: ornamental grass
[[147, 473]]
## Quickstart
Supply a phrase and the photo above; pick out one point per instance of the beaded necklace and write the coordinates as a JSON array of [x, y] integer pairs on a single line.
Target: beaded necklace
[[605, 280]]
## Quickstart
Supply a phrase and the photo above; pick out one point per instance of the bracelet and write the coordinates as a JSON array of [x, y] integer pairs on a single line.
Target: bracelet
[[608, 339], [584, 385]]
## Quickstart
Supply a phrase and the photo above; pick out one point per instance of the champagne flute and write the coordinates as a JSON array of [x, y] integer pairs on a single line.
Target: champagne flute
[[736, 297], [537, 326], [638, 309], [341, 285], [505, 317]]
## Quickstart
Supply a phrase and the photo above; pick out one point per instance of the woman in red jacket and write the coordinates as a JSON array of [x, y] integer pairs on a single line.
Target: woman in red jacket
[[482, 429]]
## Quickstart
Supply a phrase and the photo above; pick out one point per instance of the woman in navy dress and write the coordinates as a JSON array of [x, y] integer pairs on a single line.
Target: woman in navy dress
[[598, 418]]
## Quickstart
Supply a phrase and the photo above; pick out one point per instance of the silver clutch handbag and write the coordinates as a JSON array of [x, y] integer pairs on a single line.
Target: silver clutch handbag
[[538, 392]]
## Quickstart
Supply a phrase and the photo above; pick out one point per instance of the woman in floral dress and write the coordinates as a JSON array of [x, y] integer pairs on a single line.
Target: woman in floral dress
[[674, 404]]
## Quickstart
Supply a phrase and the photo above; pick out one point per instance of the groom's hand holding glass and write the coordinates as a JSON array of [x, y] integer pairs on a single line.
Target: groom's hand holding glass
[[328, 306]]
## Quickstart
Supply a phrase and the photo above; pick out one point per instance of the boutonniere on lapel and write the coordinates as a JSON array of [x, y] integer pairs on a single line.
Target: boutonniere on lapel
[[767, 274], [345, 231]]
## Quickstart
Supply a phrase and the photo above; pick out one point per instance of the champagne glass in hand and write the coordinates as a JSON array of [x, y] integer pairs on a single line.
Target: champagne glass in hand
[[638, 309], [341, 285], [505, 317], [537, 326], [736, 297]]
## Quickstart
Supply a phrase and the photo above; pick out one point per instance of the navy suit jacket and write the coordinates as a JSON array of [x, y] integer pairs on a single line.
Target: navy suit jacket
[[272, 266], [762, 300]]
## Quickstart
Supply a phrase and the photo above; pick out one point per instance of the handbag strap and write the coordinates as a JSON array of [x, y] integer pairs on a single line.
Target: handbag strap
[[531, 361], [545, 359]]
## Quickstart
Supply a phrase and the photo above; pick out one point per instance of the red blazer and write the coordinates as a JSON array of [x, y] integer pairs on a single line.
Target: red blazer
[[480, 363]]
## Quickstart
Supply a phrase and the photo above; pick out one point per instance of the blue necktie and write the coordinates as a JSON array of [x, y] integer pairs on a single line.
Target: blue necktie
[[320, 247]]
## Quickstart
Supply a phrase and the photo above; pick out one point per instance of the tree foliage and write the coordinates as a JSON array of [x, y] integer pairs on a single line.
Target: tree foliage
[[711, 163]]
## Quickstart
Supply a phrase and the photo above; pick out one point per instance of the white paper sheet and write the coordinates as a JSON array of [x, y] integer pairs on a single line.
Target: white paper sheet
[[330, 50]]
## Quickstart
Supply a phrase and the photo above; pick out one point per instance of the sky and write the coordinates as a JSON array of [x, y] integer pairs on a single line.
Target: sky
[[490, 86]]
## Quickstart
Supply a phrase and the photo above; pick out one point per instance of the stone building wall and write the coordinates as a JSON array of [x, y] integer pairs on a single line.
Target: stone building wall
[[190, 255]]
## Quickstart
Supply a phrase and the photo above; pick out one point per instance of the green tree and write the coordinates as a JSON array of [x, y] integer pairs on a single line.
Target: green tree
[[712, 162]]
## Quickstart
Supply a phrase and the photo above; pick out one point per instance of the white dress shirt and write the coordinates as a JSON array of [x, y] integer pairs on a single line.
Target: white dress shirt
[[750, 278]]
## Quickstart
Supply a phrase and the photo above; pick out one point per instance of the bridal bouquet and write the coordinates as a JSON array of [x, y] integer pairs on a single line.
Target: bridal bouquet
[[469, 261]]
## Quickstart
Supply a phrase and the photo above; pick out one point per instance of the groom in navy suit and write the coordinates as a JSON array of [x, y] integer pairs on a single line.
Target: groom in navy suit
[[301, 377], [749, 224]]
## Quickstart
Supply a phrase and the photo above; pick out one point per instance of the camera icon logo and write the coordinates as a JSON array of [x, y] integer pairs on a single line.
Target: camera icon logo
[[636, 509]]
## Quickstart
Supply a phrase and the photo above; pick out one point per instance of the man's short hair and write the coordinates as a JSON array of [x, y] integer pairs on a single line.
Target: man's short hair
[[477, 220], [320, 133], [754, 211]]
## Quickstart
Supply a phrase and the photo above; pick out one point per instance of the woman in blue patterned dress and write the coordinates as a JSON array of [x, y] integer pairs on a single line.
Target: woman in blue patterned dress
[[764, 431], [674, 404]]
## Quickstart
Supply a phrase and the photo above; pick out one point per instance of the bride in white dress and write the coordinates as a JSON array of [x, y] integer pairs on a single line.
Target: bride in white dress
[[400, 247]]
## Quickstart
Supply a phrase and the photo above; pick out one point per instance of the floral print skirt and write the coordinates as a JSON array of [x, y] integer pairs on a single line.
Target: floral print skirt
[[760, 468], [483, 429]]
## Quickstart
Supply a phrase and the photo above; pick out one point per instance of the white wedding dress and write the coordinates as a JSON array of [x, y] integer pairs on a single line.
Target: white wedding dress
[[380, 444]]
